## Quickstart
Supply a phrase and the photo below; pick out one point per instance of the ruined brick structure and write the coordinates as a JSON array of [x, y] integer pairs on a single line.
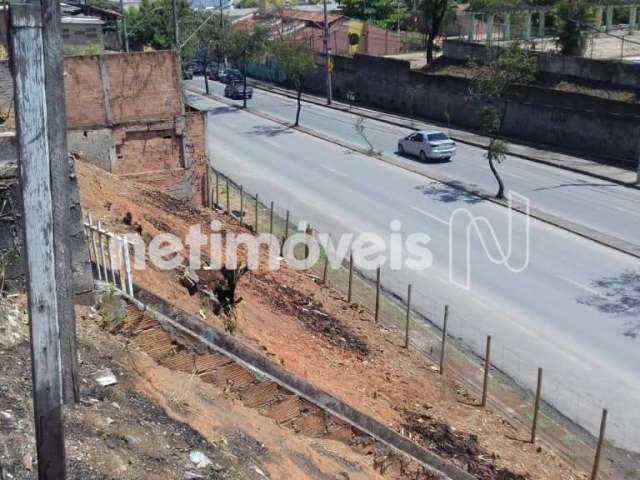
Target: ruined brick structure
[[126, 114]]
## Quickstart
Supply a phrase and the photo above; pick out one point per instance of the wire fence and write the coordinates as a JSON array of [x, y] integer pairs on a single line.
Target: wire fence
[[566, 412]]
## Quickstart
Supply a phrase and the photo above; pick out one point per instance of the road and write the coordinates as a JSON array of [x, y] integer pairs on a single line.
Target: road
[[564, 312], [603, 206]]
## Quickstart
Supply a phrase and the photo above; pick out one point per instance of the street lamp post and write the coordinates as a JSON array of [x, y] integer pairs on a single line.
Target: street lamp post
[[327, 53]]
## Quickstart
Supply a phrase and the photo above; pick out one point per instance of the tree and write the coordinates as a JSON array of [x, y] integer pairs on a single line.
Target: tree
[[151, 23], [574, 19], [204, 32], [434, 12], [384, 13], [296, 60], [513, 66], [243, 46]]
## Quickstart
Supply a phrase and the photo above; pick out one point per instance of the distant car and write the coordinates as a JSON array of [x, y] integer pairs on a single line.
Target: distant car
[[231, 75], [187, 73], [215, 72], [427, 144], [236, 91]]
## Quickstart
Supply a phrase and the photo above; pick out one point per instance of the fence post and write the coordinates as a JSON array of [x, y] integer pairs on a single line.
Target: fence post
[[443, 346], [536, 407], [271, 218], [217, 189], [487, 366], [596, 461], [255, 226], [377, 314], [286, 226], [95, 246], [408, 319], [103, 258], [241, 205], [325, 268], [112, 264], [350, 277], [228, 201], [127, 267]]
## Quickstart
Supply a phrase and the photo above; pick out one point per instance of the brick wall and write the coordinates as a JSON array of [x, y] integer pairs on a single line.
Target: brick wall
[[114, 88]]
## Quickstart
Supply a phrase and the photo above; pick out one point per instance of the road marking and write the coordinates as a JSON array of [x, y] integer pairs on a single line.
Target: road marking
[[334, 171], [628, 211], [424, 212], [583, 287], [272, 142]]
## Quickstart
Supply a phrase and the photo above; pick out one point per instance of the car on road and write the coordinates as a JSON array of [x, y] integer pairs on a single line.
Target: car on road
[[236, 91], [231, 75], [427, 145], [187, 72]]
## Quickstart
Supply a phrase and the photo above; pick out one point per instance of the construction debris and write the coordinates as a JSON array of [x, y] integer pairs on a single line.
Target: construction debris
[[105, 377], [217, 286]]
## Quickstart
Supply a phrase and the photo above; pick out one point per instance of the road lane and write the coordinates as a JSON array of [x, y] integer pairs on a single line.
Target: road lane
[[541, 317], [603, 206]]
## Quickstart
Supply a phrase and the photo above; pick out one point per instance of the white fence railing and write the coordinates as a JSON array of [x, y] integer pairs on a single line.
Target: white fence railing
[[109, 253]]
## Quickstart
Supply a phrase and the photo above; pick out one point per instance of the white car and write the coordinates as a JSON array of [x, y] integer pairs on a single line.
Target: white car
[[425, 145]]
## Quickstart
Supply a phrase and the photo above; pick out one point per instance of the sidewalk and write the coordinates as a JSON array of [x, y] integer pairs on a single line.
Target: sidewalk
[[603, 171]]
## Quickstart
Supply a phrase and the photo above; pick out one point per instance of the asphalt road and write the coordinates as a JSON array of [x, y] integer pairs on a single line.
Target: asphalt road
[[574, 310], [603, 206]]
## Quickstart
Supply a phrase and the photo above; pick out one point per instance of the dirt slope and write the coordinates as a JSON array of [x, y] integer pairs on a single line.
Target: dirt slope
[[354, 359]]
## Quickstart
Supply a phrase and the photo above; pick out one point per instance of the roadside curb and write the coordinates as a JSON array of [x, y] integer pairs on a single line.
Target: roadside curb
[[585, 232], [363, 113]]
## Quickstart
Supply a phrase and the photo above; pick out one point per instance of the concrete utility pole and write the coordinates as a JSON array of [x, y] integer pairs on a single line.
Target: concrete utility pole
[[221, 46], [38, 203], [125, 36], [327, 56], [59, 165]]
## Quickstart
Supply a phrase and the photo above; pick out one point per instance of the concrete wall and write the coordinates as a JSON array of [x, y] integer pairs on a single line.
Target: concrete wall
[[568, 121], [601, 71], [96, 146]]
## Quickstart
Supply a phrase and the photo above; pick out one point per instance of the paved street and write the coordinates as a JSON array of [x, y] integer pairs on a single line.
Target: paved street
[[574, 310], [594, 203]]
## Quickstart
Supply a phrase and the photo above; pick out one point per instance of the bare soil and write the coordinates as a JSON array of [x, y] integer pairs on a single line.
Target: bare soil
[[339, 349]]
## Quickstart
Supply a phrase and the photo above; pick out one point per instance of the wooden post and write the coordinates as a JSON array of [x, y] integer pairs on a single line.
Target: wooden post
[[60, 188], [103, 256], [487, 366], [603, 429], [271, 219], [377, 310], [255, 226], [349, 291], [95, 246], [127, 267], [408, 319], [112, 264], [241, 205], [121, 270], [536, 407], [443, 346], [228, 201], [38, 233]]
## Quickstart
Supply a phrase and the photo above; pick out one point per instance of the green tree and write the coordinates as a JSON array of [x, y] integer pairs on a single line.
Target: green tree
[[574, 19], [384, 13], [243, 46], [296, 60], [204, 35], [513, 66], [433, 12], [151, 23]]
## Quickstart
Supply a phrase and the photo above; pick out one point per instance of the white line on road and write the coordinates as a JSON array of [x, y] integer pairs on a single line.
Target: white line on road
[[334, 171], [637, 214], [582, 287], [424, 212]]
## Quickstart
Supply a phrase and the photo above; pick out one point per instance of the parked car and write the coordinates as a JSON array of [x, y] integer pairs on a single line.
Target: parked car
[[427, 144], [231, 75], [236, 91], [187, 72], [215, 72]]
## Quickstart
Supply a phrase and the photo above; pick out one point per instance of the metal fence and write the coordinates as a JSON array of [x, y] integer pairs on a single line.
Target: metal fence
[[442, 335]]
